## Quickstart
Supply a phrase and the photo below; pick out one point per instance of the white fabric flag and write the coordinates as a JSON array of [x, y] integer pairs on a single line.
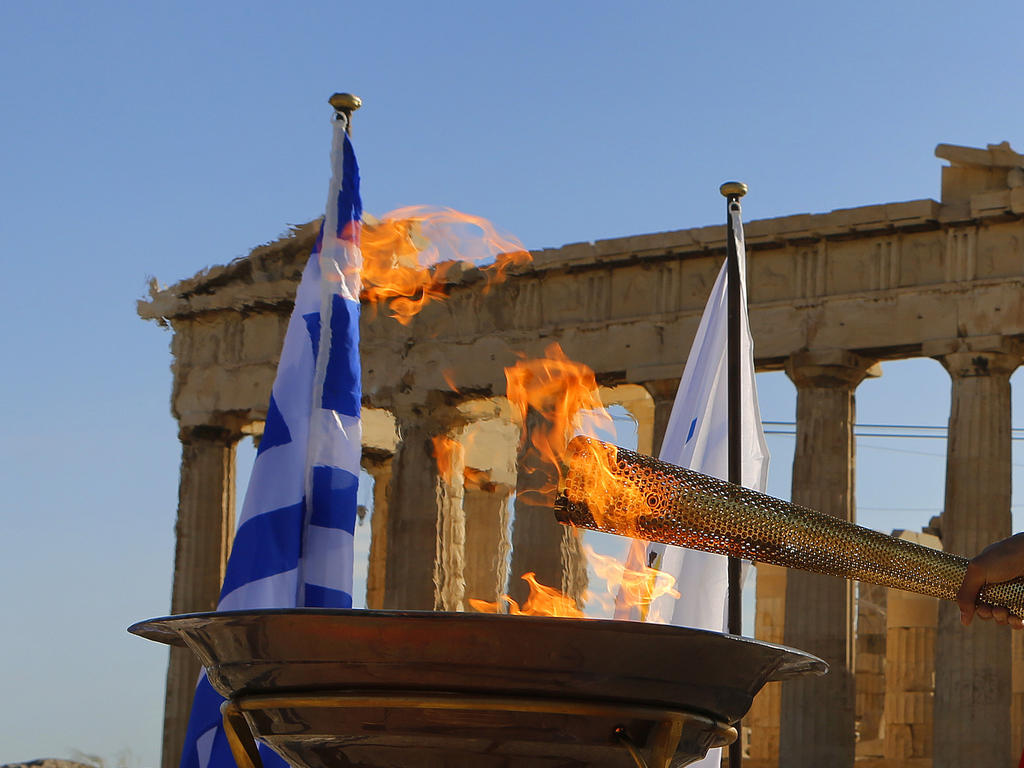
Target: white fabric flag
[[697, 437]]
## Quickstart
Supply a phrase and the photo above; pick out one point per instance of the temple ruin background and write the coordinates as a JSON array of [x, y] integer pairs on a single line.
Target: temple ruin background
[[831, 295]]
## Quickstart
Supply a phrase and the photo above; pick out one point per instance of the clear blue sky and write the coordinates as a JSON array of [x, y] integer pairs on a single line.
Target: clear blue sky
[[144, 138]]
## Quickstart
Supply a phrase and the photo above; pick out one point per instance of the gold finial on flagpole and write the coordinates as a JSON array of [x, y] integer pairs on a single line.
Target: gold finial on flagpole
[[733, 189], [345, 104]]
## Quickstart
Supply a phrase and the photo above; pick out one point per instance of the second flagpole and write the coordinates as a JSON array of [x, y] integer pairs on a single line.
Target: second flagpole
[[733, 191]]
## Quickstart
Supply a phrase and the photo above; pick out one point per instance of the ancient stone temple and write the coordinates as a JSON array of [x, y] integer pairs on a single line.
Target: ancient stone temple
[[831, 296]]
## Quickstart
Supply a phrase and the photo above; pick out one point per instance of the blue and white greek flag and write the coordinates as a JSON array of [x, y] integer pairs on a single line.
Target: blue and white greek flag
[[293, 546]]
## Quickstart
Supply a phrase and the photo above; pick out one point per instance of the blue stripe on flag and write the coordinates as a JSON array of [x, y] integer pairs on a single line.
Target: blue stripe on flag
[[313, 329], [275, 431], [198, 752], [334, 498], [276, 536], [350, 205], [342, 385], [324, 597], [207, 701]]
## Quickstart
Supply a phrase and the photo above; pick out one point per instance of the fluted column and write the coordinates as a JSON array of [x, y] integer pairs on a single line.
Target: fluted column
[[540, 543], [817, 726], [663, 392], [450, 545], [973, 665], [487, 539], [419, 496], [378, 465], [204, 530]]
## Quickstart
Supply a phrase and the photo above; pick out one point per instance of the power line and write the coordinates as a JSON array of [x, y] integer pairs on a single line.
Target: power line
[[873, 426], [936, 509], [909, 431], [870, 447]]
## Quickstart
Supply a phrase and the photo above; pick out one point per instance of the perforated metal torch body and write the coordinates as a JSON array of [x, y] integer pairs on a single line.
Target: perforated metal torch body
[[617, 491]]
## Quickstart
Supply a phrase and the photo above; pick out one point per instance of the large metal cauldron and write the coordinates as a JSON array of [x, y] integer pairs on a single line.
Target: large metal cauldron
[[339, 689]]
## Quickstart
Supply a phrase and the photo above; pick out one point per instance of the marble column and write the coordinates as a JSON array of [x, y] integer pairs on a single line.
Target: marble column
[[973, 666], [487, 540], [418, 495], [378, 465], [204, 530], [450, 541], [817, 724], [540, 544]]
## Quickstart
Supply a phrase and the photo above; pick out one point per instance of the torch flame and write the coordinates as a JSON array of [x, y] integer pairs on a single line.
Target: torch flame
[[563, 393], [409, 253], [542, 601], [628, 587], [625, 588]]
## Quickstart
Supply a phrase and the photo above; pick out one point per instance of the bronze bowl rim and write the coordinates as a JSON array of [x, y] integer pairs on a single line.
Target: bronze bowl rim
[[160, 629], [297, 665], [291, 663]]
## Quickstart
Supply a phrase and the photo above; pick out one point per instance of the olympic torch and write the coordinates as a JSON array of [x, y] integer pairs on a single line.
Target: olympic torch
[[611, 489]]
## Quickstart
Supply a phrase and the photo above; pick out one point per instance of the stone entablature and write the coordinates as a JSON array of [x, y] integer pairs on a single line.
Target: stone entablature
[[881, 280]]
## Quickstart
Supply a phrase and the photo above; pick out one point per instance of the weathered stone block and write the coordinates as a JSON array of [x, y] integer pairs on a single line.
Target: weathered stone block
[[909, 610], [262, 338], [909, 707]]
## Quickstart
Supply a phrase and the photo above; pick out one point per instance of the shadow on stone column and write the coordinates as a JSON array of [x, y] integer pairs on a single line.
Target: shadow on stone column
[[378, 465], [416, 497], [973, 672], [817, 724], [204, 530], [487, 540]]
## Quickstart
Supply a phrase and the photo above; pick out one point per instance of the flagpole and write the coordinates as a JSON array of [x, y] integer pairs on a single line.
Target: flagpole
[[733, 191]]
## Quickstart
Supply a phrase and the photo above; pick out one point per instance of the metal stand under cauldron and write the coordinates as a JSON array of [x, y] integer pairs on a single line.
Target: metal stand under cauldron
[[376, 689]]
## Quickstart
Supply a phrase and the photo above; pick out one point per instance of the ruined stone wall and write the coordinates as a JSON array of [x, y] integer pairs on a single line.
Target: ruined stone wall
[[830, 295]]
